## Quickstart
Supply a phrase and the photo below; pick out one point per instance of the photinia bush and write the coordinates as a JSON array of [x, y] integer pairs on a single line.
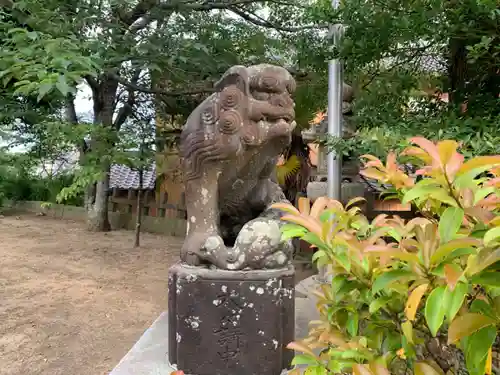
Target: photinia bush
[[419, 295]]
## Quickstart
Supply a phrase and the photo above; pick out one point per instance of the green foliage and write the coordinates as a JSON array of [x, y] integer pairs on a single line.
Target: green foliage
[[125, 52], [137, 144], [40, 58], [404, 31], [398, 284], [19, 183], [399, 55], [478, 135], [48, 190], [374, 141]]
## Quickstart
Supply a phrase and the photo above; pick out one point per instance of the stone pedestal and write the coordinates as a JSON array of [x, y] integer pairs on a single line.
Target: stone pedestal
[[230, 322]]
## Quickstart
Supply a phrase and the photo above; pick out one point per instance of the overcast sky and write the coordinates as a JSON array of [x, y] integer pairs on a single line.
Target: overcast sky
[[83, 105], [83, 100]]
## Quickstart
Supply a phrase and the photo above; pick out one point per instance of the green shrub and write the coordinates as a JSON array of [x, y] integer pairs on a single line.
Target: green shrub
[[18, 186], [408, 295], [478, 135]]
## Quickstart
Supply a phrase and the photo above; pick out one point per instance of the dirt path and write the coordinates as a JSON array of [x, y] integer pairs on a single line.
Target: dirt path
[[74, 303]]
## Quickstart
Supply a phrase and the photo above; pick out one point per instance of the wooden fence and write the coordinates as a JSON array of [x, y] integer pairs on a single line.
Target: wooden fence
[[119, 220], [163, 218]]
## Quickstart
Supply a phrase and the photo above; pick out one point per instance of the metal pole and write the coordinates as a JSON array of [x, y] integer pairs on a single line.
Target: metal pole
[[335, 85], [334, 162]]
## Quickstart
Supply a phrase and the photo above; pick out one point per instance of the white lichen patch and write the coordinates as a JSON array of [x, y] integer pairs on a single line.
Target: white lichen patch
[[178, 337], [236, 320], [217, 302], [250, 305], [265, 232], [205, 196], [261, 333], [259, 291], [275, 344], [192, 219], [281, 259], [270, 282], [191, 278], [212, 243], [194, 322], [224, 288], [262, 125], [251, 287], [288, 293], [246, 236]]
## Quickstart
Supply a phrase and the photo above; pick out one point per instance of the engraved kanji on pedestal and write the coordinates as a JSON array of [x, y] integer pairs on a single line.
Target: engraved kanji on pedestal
[[226, 322]]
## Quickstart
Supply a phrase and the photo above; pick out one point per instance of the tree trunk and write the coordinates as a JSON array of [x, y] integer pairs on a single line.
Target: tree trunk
[[104, 94], [138, 220], [71, 116], [96, 203], [96, 195], [89, 197], [97, 213], [457, 72]]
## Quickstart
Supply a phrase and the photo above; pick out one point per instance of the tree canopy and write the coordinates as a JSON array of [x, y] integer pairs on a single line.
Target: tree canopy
[[132, 53], [165, 55], [402, 55]]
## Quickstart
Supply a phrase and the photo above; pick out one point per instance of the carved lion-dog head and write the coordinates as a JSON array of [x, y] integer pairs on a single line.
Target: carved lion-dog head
[[256, 102], [251, 107]]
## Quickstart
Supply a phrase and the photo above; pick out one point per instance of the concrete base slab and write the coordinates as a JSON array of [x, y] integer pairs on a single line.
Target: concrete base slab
[[304, 288], [305, 305], [149, 356]]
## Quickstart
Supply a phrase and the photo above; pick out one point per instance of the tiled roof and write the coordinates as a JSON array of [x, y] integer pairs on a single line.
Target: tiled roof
[[432, 63], [122, 177]]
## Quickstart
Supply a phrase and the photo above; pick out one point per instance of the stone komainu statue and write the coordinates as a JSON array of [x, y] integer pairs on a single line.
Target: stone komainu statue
[[230, 145]]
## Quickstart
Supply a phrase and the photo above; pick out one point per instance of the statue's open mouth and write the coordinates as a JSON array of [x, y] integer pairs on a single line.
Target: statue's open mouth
[[286, 118], [282, 127]]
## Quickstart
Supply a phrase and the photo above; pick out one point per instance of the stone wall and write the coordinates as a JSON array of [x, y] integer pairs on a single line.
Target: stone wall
[[119, 220]]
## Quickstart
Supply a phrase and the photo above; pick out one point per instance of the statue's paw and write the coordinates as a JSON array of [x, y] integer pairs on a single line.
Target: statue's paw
[[213, 245], [201, 247], [278, 259], [260, 242]]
